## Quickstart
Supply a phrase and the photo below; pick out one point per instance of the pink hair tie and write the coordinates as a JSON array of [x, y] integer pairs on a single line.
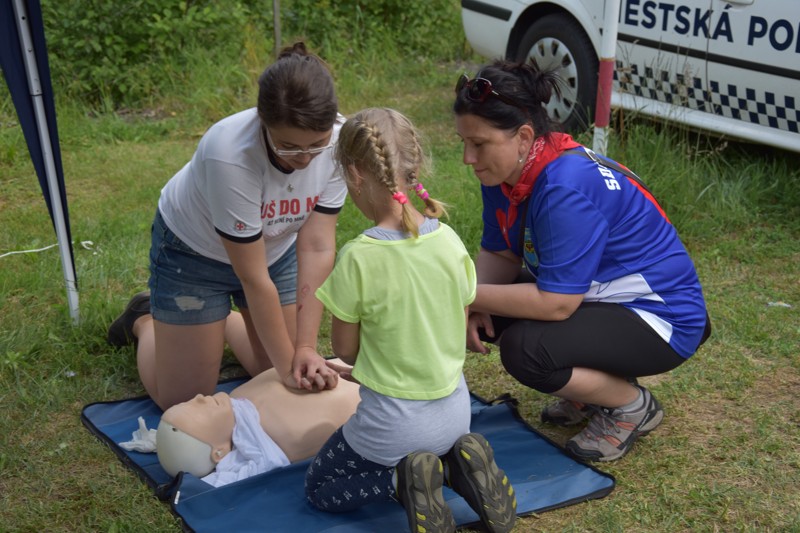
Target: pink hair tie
[[400, 197], [421, 192]]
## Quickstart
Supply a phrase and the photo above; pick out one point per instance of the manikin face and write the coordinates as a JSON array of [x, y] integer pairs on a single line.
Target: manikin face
[[307, 144], [492, 153], [206, 418]]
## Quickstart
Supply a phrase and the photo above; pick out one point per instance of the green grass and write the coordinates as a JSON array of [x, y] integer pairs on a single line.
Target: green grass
[[727, 457]]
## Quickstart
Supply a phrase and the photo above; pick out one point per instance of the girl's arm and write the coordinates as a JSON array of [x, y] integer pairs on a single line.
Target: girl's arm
[[345, 340], [502, 268], [250, 265], [316, 254]]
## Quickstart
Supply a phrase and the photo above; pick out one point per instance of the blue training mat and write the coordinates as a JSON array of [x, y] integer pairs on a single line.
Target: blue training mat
[[543, 475]]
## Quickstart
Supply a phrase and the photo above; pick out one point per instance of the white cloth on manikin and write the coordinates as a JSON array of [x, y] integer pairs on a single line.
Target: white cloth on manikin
[[143, 440]]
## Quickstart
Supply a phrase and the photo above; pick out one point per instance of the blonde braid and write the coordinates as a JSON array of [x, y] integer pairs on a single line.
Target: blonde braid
[[433, 208], [384, 154], [382, 164], [384, 144]]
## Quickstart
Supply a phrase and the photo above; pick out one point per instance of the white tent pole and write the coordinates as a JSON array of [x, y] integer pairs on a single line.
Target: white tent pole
[[35, 88], [605, 76]]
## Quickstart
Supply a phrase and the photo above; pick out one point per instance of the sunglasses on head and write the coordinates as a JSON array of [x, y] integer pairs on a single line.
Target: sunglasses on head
[[479, 89]]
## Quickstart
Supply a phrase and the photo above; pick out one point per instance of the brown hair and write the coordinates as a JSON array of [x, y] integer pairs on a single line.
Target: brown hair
[[297, 91], [525, 83]]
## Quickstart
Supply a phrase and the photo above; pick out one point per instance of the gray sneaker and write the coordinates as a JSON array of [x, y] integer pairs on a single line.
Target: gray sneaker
[[567, 413], [420, 477], [611, 433]]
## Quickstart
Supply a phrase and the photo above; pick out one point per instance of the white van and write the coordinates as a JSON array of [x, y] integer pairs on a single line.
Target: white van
[[726, 66]]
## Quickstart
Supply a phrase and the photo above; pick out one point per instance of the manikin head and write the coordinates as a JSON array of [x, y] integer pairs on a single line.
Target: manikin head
[[194, 436]]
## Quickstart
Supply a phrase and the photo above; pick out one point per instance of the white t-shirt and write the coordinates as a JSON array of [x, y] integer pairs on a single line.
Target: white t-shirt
[[230, 187]]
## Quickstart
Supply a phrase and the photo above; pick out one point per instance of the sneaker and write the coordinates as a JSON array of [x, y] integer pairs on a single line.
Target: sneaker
[[120, 333], [472, 473], [567, 413], [611, 432], [419, 488]]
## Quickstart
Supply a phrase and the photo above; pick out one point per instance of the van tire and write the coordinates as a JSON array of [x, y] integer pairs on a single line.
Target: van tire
[[558, 41]]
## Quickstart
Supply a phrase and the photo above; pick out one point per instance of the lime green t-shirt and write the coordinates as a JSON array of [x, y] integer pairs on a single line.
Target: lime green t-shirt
[[409, 298]]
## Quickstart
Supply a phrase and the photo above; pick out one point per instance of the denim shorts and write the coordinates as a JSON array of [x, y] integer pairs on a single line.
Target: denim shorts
[[188, 288]]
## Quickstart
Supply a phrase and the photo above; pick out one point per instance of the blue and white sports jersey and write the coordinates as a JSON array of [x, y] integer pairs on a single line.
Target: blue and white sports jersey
[[593, 231]]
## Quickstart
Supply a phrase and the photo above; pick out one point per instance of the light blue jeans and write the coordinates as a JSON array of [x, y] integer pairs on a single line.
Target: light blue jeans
[[187, 288]]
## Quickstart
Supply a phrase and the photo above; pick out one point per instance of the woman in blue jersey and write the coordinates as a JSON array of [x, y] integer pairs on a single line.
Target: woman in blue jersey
[[608, 293]]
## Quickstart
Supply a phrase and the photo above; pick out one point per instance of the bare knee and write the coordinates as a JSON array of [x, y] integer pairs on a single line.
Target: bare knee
[[187, 360]]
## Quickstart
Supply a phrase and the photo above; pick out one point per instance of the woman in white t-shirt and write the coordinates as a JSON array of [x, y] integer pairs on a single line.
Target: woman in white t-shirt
[[251, 220]]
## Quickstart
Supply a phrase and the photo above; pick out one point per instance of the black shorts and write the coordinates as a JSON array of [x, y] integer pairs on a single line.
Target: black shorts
[[601, 336]]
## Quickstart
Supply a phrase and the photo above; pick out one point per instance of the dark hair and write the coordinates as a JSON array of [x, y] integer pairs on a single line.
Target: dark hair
[[523, 83], [297, 91]]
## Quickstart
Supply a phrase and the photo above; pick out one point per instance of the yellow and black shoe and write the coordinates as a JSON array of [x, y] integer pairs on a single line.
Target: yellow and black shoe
[[420, 479], [472, 473]]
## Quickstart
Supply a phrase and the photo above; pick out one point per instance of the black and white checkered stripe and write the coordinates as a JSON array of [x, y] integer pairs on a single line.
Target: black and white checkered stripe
[[757, 107]]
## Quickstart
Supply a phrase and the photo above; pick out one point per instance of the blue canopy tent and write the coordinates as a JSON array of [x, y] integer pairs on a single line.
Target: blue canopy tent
[[23, 58]]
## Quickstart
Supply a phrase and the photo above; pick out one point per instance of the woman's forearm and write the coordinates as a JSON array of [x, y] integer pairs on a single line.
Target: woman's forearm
[[524, 300], [267, 315]]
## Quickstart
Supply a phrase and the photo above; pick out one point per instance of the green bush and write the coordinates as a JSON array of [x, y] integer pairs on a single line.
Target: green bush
[[428, 28], [136, 53], [115, 53]]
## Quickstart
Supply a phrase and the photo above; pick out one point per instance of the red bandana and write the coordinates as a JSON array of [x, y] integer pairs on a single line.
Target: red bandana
[[540, 155]]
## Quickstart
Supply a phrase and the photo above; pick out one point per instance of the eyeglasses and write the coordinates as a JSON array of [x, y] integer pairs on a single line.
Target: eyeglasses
[[479, 89], [294, 153]]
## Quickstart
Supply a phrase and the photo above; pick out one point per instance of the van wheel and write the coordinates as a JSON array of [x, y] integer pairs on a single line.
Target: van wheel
[[558, 42]]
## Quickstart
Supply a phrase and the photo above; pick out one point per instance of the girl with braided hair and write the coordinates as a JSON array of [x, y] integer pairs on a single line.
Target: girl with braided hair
[[398, 295]]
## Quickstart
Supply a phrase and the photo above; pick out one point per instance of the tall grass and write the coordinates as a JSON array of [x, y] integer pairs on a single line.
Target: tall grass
[[727, 457]]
